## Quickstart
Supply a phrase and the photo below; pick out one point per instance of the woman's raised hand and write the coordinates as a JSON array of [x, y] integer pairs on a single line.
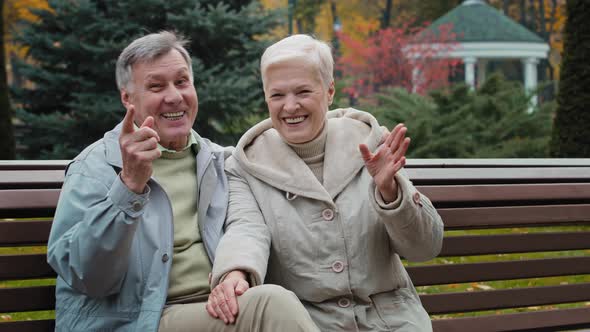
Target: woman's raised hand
[[389, 159]]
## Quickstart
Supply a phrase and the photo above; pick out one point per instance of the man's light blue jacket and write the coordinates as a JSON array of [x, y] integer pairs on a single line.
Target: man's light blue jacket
[[112, 249]]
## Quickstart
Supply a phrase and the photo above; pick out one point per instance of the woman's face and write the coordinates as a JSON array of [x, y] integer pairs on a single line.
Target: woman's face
[[297, 100]]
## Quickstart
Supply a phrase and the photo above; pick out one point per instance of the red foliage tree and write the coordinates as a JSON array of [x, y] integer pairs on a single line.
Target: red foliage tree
[[412, 58]]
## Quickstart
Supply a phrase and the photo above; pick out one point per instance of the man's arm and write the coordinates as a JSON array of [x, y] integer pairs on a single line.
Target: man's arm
[[92, 232]]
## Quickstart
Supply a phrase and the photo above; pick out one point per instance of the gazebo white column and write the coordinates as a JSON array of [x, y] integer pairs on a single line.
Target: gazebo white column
[[470, 71], [530, 77], [481, 71], [416, 79]]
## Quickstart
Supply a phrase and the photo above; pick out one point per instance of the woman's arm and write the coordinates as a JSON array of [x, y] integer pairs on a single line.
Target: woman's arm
[[413, 225], [245, 246]]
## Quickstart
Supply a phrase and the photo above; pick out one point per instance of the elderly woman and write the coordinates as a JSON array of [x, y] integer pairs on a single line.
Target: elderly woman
[[319, 207]]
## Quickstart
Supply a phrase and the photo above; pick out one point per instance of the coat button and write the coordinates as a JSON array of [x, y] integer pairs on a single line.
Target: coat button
[[416, 198], [337, 266], [344, 302], [165, 258], [328, 214], [137, 206]]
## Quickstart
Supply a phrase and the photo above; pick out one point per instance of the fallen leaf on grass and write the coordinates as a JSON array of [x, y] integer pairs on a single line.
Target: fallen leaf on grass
[[483, 287]]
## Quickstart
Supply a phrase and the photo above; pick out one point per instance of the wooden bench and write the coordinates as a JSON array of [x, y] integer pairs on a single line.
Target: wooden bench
[[474, 197]]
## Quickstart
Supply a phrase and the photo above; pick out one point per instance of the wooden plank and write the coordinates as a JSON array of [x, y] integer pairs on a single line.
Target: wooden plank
[[25, 267], [474, 272], [511, 193], [514, 216], [33, 164], [27, 298], [30, 179], [505, 298], [17, 233], [28, 198], [514, 243], [47, 325], [496, 162], [430, 176], [547, 320]]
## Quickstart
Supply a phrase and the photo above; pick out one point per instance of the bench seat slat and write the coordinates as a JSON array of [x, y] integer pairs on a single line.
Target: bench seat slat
[[16, 233], [514, 243], [507, 193], [29, 199], [28, 326], [473, 272], [505, 298], [27, 298], [25, 267], [514, 216], [543, 319]]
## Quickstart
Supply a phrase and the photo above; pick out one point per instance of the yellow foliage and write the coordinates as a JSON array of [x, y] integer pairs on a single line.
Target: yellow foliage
[[15, 11]]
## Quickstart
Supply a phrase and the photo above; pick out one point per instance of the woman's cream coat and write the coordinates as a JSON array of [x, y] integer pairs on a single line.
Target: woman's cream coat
[[336, 246]]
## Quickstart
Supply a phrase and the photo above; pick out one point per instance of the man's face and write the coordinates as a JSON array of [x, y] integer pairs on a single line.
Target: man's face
[[163, 89]]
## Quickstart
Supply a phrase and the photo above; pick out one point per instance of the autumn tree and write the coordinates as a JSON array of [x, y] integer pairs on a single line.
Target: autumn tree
[[394, 57], [571, 133], [71, 63]]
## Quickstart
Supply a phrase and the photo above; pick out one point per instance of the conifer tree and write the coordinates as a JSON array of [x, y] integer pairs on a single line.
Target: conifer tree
[[571, 130], [73, 98], [491, 122]]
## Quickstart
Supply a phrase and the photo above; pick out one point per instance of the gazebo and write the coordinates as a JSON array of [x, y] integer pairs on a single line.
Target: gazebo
[[484, 33]]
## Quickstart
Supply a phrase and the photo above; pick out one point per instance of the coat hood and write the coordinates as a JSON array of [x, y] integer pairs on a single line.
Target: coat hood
[[262, 153]]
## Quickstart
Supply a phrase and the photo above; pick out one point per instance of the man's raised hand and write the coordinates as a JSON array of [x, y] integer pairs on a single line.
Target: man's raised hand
[[139, 148]]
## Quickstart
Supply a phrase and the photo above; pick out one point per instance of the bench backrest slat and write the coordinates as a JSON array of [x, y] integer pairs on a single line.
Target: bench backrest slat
[[27, 298], [544, 320], [511, 193], [515, 216], [28, 326], [505, 298], [514, 243], [458, 176], [31, 179], [18, 233], [506, 270], [25, 267], [29, 199]]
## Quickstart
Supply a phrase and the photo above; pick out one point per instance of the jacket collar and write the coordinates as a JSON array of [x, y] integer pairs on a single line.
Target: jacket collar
[[264, 155]]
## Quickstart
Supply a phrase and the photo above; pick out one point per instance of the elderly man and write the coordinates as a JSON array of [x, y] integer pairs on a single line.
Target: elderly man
[[142, 210]]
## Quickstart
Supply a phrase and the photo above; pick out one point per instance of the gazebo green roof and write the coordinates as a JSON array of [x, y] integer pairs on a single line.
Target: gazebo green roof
[[476, 21]]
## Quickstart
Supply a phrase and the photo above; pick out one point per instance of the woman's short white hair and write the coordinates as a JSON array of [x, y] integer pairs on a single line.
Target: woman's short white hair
[[149, 48], [302, 48]]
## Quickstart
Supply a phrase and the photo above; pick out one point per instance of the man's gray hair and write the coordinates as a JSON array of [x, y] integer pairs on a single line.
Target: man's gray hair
[[305, 48], [149, 48]]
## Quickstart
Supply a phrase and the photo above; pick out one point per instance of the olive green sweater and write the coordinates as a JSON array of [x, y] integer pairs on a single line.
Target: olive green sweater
[[176, 172]]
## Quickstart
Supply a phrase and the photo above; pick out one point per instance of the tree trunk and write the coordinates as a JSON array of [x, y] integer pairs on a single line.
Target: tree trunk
[[386, 18], [523, 19], [571, 133], [7, 143], [505, 6]]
